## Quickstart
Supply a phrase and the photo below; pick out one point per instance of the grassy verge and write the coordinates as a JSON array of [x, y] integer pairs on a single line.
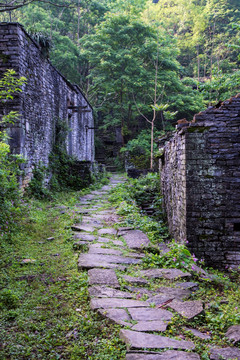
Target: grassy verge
[[44, 304]]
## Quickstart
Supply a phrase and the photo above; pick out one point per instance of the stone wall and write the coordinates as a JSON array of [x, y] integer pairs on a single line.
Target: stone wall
[[201, 184], [46, 97], [173, 181]]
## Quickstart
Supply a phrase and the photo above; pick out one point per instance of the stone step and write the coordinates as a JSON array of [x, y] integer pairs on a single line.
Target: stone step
[[142, 340], [105, 277], [107, 292], [166, 355], [106, 303], [149, 314], [170, 274], [87, 261], [136, 239]]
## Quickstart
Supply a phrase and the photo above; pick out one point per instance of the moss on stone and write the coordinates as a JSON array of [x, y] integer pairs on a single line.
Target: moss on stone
[[4, 58], [199, 129]]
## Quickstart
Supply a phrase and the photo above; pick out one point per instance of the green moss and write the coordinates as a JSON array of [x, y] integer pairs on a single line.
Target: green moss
[[4, 58], [199, 129], [202, 219], [208, 176]]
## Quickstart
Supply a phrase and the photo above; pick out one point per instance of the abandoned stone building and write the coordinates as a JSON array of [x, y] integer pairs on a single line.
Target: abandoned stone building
[[46, 98], [200, 176]]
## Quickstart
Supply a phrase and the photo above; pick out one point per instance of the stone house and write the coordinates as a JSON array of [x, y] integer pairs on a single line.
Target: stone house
[[46, 97], [200, 176]]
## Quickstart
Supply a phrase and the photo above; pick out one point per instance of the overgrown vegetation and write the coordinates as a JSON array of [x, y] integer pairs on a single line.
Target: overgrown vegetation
[[44, 304], [65, 172], [10, 199], [219, 291]]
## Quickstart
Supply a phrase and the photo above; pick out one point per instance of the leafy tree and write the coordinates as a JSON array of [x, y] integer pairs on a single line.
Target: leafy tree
[[10, 5], [202, 29], [122, 56]]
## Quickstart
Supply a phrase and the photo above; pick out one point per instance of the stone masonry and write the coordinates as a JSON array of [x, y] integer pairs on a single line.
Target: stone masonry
[[46, 97], [200, 176]]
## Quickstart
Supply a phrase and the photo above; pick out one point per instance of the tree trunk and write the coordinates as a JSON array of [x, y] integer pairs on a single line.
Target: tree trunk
[[152, 133]]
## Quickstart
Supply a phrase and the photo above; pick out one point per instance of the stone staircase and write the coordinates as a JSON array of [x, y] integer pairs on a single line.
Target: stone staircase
[[142, 313]]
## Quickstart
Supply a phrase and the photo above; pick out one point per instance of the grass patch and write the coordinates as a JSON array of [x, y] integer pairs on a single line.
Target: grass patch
[[44, 304]]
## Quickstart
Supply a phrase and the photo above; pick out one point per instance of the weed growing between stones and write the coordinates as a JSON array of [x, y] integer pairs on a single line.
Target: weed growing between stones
[[218, 291]]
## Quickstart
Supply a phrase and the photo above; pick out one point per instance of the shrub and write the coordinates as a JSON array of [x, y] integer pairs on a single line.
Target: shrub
[[10, 201]]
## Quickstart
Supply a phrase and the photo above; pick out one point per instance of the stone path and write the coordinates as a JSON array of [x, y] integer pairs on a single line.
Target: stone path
[[124, 298]]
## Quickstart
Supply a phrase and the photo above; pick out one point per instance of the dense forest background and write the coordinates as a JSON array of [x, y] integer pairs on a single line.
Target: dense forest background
[[139, 60]]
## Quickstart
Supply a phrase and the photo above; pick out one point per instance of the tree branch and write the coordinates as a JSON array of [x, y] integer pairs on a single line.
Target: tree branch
[[150, 122], [16, 4]]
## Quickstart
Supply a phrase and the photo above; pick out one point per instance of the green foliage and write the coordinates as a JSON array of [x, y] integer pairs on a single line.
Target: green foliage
[[137, 151], [37, 186], [129, 198], [10, 199], [121, 53], [43, 40], [178, 257], [10, 85], [221, 87]]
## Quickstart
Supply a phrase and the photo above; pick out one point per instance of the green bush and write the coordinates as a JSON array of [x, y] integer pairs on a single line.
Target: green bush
[[36, 187], [10, 199], [138, 150]]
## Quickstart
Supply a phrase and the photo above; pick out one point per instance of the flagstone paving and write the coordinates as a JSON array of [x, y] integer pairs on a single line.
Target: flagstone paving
[[124, 296]]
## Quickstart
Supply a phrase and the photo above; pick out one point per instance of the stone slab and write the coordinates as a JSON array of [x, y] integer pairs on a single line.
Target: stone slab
[[166, 355], [136, 255], [84, 237], [107, 259], [88, 197], [83, 227], [84, 211], [103, 277], [107, 240], [163, 248], [170, 274], [107, 303], [169, 293], [188, 285], [119, 316], [156, 325], [135, 280], [233, 333], [85, 262], [149, 314], [140, 291], [188, 309], [107, 231], [103, 251], [139, 340], [98, 192], [123, 230], [229, 353], [159, 300], [199, 334], [136, 239], [106, 188], [91, 221], [108, 292]]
